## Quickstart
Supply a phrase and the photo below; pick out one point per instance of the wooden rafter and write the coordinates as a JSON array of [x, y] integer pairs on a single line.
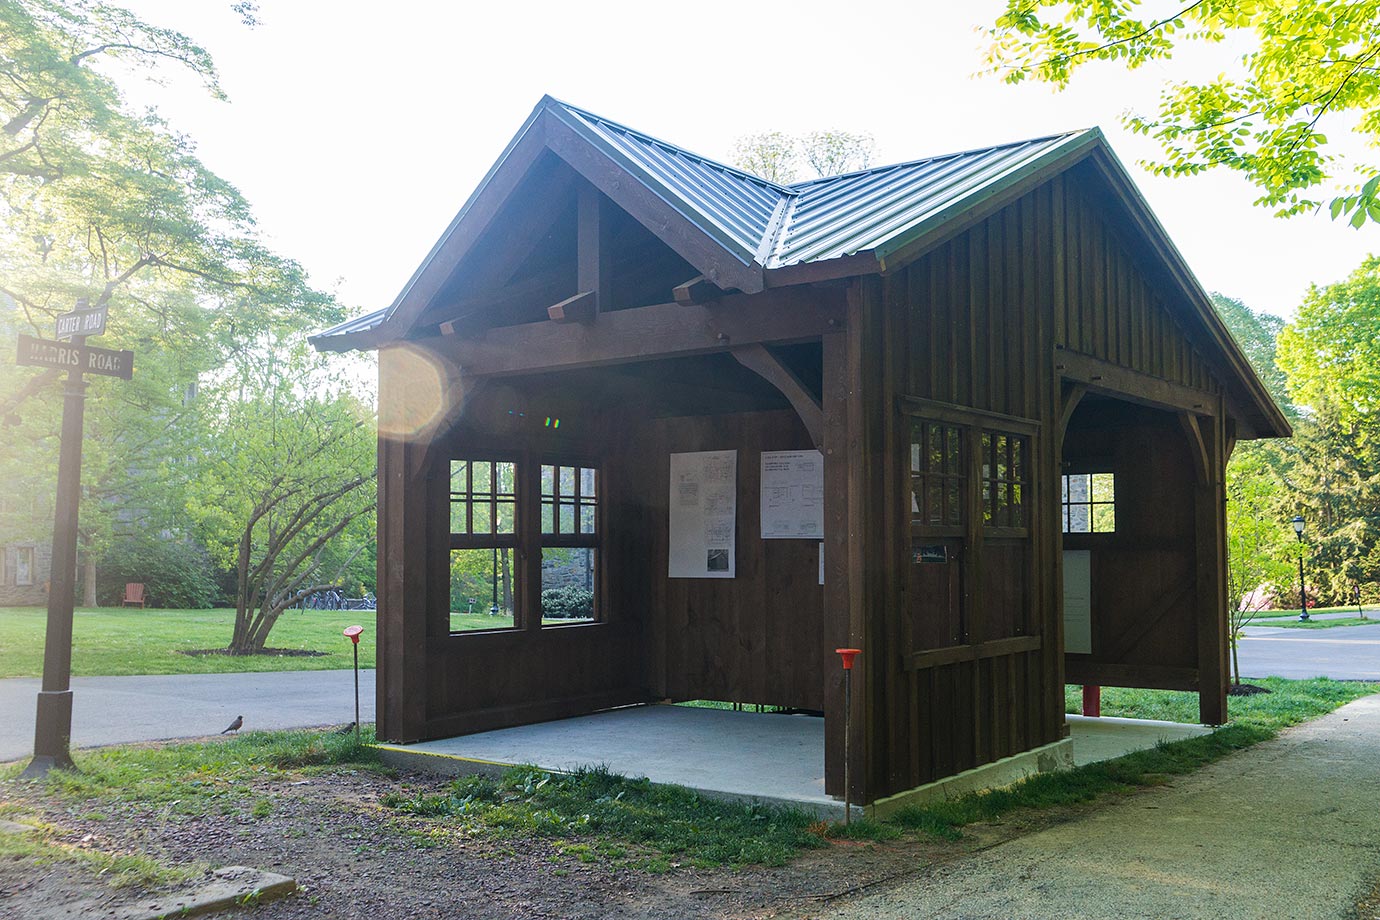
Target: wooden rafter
[[592, 250], [578, 309], [698, 289], [649, 333], [757, 358]]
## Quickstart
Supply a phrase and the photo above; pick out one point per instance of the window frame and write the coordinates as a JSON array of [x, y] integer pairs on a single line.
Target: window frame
[[576, 540], [1089, 469], [19, 553], [493, 540]]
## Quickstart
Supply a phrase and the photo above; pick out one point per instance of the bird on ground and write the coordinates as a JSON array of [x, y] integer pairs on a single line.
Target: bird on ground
[[346, 729], [235, 726]]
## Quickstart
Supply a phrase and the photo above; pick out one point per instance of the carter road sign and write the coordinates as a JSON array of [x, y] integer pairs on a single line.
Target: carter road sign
[[81, 322], [84, 358]]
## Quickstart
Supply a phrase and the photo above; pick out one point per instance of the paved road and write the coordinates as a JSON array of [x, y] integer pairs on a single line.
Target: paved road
[[111, 710], [1343, 652], [1288, 828]]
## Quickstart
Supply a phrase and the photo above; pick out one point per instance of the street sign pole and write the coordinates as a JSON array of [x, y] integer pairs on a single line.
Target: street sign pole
[[53, 728]]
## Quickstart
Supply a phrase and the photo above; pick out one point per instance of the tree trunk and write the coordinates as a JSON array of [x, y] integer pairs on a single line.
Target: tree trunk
[[88, 594], [507, 581]]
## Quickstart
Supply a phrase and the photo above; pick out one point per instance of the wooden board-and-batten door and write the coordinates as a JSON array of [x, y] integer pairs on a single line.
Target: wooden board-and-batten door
[[971, 632]]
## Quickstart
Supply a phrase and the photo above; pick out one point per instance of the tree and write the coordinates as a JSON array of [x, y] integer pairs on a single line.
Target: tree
[[1257, 334], [100, 203], [1259, 546], [777, 156], [285, 492], [1309, 66]]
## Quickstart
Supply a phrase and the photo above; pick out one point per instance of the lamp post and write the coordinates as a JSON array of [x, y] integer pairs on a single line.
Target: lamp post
[[1303, 592]]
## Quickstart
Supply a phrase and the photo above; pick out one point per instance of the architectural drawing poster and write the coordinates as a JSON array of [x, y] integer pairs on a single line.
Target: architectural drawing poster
[[792, 495], [704, 514]]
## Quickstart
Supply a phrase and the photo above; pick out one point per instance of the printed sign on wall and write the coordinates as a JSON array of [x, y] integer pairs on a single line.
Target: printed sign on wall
[[703, 514], [792, 495]]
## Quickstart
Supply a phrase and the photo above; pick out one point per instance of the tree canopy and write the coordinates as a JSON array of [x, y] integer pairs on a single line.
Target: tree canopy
[[1308, 67], [785, 158]]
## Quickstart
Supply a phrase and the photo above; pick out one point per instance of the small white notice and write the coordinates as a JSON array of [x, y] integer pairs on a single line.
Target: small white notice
[[703, 514], [1078, 601], [792, 495]]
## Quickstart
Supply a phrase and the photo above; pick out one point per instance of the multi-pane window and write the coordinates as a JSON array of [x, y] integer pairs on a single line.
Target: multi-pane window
[[485, 589], [937, 474], [1089, 503], [24, 565], [569, 543], [1005, 477]]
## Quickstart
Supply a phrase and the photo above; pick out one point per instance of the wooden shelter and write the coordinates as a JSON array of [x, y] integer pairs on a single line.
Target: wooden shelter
[[1002, 359]]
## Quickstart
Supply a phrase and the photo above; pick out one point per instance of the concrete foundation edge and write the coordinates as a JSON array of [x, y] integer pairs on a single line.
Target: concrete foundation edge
[[451, 765], [1057, 755]]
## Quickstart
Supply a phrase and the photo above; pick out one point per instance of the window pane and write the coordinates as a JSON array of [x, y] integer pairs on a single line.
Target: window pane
[[567, 521], [481, 589], [955, 513], [587, 482], [567, 481], [458, 521], [483, 477], [483, 518], [567, 584], [548, 517], [1103, 487], [507, 477], [507, 518], [586, 519], [548, 480], [1104, 518]]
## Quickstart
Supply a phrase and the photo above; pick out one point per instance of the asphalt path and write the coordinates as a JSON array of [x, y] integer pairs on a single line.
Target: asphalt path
[[1340, 652], [115, 710]]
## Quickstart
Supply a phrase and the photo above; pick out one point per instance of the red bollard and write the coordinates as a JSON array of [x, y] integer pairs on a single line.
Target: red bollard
[[847, 654], [1092, 700], [352, 633]]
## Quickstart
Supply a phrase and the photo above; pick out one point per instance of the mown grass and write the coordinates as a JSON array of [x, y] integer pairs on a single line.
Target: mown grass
[[113, 641], [593, 813], [211, 777], [1295, 623]]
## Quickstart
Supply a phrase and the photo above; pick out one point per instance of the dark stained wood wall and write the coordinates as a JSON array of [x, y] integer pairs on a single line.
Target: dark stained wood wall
[[755, 638], [978, 322]]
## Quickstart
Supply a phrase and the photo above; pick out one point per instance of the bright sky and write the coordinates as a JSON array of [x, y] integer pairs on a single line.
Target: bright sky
[[357, 130]]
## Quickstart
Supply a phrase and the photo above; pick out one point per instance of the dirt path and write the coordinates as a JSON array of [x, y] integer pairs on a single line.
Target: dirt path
[[1289, 828]]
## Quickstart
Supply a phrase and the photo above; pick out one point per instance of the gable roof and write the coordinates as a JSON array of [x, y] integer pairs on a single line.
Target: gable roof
[[743, 232]]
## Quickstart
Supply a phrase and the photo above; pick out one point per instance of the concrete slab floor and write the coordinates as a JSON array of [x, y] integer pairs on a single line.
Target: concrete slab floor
[[762, 756]]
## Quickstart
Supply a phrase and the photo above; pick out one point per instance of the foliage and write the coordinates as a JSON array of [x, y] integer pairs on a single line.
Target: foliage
[[658, 823], [1259, 547], [175, 571], [1257, 334], [114, 641], [285, 492], [1306, 67], [781, 158], [567, 602]]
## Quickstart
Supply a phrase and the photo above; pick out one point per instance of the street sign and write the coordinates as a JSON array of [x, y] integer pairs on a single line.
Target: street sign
[[81, 322], [83, 358]]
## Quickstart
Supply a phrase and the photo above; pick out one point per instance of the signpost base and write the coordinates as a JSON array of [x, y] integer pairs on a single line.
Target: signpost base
[[52, 734]]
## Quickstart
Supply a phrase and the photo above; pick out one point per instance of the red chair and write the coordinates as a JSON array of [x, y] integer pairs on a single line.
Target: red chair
[[134, 594]]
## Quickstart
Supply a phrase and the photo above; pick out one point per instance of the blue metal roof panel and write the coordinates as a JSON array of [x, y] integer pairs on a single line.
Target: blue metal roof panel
[[843, 215], [358, 324]]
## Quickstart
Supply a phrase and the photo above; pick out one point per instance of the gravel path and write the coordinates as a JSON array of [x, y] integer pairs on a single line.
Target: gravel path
[[1289, 828]]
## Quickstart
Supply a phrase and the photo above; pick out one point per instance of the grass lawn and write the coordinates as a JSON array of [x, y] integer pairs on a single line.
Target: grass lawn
[[114, 641], [1295, 623]]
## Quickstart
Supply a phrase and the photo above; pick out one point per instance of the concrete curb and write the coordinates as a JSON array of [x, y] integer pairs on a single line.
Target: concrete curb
[[230, 887]]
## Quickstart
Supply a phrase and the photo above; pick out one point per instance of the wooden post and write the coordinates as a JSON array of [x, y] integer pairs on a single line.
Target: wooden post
[[1209, 514], [53, 725]]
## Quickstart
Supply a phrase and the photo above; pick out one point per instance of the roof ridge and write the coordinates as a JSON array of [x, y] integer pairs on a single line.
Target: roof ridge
[[708, 161], [799, 186]]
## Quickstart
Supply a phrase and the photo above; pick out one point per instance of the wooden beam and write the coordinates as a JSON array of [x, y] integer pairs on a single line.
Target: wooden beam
[[1072, 395], [756, 358], [698, 289], [592, 251], [480, 311], [1197, 448], [1149, 676], [578, 309], [1132, 386], [649, 333]]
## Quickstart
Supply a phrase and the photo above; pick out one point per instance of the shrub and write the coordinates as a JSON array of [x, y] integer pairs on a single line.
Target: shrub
[[568, 602], [175, 572]]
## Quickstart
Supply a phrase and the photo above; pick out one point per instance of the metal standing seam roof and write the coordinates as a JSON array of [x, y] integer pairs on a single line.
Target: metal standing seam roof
[[777, 225]]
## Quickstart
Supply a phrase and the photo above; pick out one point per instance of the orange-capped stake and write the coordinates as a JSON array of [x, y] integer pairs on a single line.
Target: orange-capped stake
[[848, 654], [352, 633]]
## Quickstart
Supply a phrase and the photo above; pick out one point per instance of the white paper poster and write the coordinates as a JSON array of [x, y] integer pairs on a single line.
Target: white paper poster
[[792, 495], [1078, 601], [704, 514]]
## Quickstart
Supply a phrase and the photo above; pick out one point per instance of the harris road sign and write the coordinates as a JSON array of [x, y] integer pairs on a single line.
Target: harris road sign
[[85, 359]]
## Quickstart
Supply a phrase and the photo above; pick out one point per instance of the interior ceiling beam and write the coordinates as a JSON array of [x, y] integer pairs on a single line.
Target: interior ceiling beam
[[757, 358], [1132, 386], [698, 289], [649, 333]]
